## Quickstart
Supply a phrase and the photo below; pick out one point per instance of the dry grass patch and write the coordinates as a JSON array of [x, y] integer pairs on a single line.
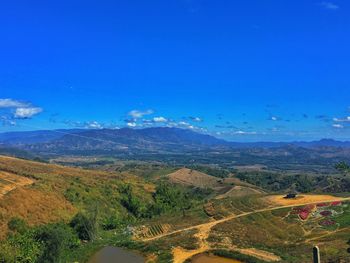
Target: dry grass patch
[[301, 199], [190, 177], [9, 182]]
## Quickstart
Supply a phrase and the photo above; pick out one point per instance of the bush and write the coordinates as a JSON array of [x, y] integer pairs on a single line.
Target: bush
[[134, 205], [56, 238], [110, 223], [17, 225], [20, 247], [85, 226]]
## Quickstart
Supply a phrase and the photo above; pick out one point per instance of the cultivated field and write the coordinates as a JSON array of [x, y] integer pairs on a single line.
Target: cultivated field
[[244, 222]]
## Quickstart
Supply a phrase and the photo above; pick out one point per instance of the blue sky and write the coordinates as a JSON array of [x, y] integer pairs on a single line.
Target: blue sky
[[241, 70]]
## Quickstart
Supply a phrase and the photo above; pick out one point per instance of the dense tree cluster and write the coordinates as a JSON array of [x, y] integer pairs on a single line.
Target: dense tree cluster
[[166, 198], [213, 171], [343, 167], [280, 182]]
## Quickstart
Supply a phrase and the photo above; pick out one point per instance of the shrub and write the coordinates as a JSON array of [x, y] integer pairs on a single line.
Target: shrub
[[17, 225], [110, 223], [85, 226], [20, 247], [56, 238]]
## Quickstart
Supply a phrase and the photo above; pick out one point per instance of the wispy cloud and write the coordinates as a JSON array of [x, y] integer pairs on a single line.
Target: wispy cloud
[[329, 5], [275, 118], [245, 132], [196, 119], [346, 119], [93, 125], [139, 114], [338, 126], [10, 103], [6, 121]]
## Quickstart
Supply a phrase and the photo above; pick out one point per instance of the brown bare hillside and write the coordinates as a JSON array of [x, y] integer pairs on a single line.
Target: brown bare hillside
[[190, 177]]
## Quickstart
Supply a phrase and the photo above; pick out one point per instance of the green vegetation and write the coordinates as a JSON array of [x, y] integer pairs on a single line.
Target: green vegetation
[[273, 181], [74, 228], [57, 239], [85, 225], [21, 247], [213, 171], [343, 167], [17, 225], [304, 183]]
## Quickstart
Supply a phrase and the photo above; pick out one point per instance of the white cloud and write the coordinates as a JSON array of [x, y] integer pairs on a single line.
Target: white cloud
[[274, 118], [338, 126], [93, 125], [26, 113], [329, 5], [10, 103], [196, 119], [139, 114], [346, 119], [160, 119], [183, 123], [244, 132], [131, 124], [22, 110]]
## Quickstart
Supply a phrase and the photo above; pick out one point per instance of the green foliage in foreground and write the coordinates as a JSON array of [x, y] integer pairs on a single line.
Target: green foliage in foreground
[[85, 226], [56, 240], [44, 244], [167, 198], [21, 247], [48, 243], [17, 225]]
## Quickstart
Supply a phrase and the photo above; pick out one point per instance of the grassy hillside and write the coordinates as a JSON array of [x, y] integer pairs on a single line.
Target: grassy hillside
[[42, 203], [65, 214], [58, 192]]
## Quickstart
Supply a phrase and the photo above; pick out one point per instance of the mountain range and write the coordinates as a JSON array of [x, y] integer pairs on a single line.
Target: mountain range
[[155, 139]]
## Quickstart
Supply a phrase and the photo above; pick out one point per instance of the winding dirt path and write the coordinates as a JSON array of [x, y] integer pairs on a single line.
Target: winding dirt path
[[180, 254], [214, 223]]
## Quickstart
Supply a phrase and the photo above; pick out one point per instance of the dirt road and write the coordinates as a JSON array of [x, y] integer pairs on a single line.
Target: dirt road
[[214, 223]]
